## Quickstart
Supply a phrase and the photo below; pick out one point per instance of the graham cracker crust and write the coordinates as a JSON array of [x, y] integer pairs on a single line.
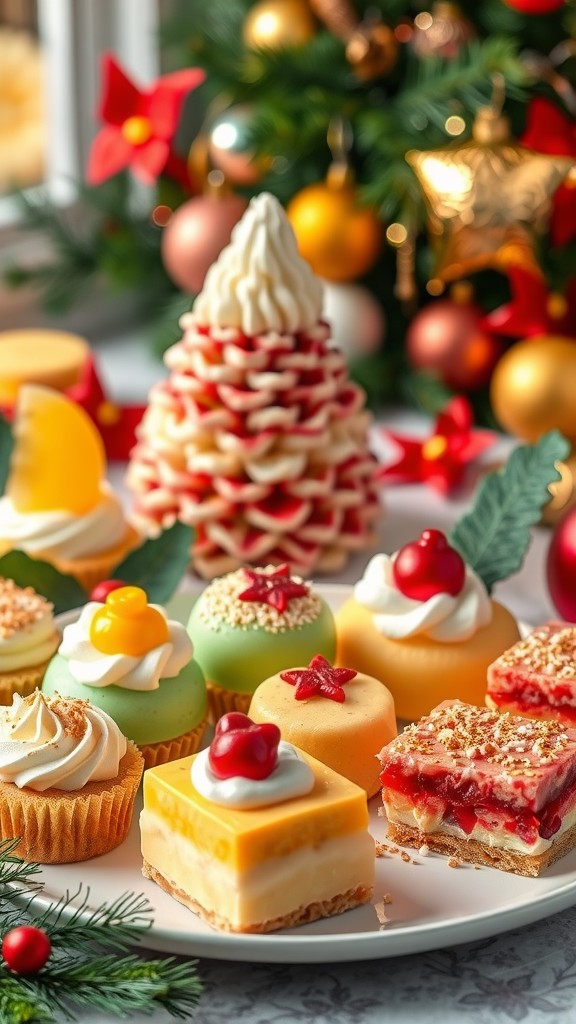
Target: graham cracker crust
[[473, 852], [303, 915]]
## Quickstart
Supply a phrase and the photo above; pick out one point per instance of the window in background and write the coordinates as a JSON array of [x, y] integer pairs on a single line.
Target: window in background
[[22, 111]]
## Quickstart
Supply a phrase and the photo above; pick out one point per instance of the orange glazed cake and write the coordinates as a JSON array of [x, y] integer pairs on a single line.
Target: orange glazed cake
[[536, 677], [337, 715], [487, 788], [254, 835]]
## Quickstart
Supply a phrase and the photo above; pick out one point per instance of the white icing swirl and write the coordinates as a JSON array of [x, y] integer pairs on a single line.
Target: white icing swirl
[[30, 645], [260, 282], [37, 750], [62, 534], [291, 777], [443, 618], [90, 666]]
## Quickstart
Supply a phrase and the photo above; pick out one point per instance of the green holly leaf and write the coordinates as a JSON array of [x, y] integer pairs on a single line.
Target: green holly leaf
[[158, 565], [63, 591], [6, 446], [494, 536]]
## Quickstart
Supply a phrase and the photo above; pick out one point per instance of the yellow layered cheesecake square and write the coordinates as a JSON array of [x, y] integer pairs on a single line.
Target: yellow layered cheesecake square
[[260, 869]]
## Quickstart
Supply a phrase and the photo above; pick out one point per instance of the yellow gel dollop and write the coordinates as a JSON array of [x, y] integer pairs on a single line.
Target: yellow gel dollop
[[127, 624]]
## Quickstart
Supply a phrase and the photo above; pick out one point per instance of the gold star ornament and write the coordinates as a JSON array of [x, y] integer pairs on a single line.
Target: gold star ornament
[[488, 199]]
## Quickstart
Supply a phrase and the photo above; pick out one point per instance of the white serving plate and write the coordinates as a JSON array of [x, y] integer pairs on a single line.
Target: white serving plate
[[431, 904]]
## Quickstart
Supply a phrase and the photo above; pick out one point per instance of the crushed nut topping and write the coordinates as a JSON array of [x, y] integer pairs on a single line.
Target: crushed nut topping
[[516, 744], [72, 714], [545, 652], [20, 607], [221, 606]]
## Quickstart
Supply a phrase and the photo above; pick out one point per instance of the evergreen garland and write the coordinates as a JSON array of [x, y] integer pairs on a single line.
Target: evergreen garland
[[81, 971]]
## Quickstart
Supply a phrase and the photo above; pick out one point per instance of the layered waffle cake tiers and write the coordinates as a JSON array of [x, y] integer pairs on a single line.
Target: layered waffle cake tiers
[[258, 438]]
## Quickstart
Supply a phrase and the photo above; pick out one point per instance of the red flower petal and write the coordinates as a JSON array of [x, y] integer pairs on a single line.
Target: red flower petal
[[120, 97], [110, 153], [548, 130], [164, 102], [149, 160]]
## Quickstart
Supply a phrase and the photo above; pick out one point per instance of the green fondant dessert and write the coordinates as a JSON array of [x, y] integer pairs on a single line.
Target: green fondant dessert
[[250, 624], [126, 657]]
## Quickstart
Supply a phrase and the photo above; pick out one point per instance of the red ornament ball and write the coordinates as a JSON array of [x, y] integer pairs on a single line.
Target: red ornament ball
[[535, 6], [445, 338], [26, 949], [101, 590], [561, 566], [195, 236], [427, 567]]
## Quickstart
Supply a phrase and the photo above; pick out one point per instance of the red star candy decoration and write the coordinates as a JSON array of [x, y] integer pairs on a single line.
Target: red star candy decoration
[[139, 125], [441, 459], [275, 588], [320, 679]]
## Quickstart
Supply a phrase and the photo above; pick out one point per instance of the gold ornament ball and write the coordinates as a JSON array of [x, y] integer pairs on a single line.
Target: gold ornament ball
[[340, 239], [533, 388], [278, 23], [372, 51]]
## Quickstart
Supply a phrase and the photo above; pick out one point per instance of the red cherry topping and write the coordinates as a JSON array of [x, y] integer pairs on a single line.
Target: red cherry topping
[[243, 747], [274, 588], [429, 566], [101, 590], [319, 679], [26, 949]]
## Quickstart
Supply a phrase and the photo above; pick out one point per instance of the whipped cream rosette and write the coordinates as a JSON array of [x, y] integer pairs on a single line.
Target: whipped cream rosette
[[28, 639], [68, 778], [258, 439]]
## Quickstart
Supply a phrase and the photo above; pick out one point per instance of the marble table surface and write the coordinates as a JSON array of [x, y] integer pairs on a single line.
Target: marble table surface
[[526, 975]]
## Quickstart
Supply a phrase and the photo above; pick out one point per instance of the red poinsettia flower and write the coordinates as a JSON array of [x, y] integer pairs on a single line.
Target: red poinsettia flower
[[549, 130], [139, 125], [441, 459]]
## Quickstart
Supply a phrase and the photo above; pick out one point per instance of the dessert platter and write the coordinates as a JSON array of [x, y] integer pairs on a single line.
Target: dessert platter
[[431, 904], [260, 708]]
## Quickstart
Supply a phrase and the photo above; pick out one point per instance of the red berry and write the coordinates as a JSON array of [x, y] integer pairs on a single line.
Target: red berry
[[26, 949], [101, 590], [428, 567], [242, 747]]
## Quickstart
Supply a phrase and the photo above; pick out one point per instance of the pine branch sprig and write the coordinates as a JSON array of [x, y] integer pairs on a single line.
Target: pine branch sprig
[[81, 971]]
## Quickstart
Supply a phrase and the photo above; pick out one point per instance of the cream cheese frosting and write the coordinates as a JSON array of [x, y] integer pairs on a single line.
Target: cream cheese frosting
[[53, 743], [61, 534], [90, 666], [291, 777], [260, 283], [443, 618], [28, 635]]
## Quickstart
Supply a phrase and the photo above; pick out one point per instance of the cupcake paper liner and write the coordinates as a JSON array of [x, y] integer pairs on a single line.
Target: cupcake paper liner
[[23, 682], [171, 750], [90, 571], [221, 701], [58, 827]]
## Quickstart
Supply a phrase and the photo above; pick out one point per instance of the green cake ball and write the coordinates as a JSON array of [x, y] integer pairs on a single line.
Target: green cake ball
[[280, 622], [144, 716]]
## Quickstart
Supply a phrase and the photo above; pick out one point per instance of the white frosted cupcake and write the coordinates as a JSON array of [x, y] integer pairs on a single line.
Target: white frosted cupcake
[[28, 639]]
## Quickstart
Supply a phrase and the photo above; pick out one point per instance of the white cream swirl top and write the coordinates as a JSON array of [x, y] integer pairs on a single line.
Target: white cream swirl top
[[291, 777], [443, 618], [90, 666], [260, 282], [54, 743], [62, 534], [28, 635]]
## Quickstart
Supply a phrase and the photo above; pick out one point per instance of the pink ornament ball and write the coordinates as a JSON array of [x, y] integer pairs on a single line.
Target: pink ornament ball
[[561, 567], [195, 236], [535, 6]]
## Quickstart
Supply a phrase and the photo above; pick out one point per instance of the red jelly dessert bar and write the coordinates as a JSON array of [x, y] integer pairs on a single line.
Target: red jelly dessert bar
[[485, 787], [537, 676]]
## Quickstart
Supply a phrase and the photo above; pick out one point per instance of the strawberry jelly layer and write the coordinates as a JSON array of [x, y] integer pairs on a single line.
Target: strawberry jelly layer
[[526, 700], [469, 757], [537, 671]]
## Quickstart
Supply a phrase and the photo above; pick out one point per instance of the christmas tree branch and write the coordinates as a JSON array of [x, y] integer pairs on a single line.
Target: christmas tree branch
[[78, 972]]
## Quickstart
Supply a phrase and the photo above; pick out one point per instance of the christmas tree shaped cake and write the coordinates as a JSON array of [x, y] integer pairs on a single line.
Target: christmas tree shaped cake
[[258, 438]]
